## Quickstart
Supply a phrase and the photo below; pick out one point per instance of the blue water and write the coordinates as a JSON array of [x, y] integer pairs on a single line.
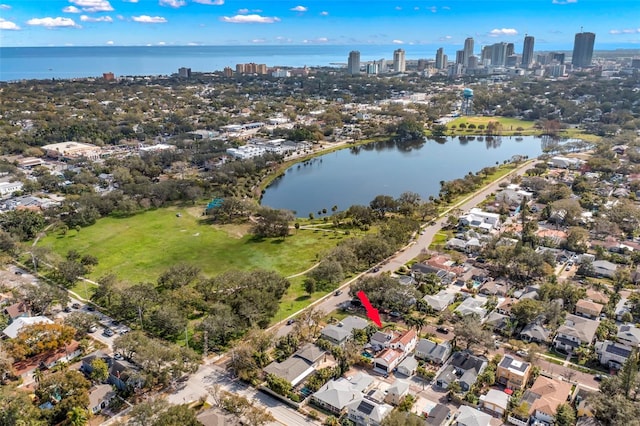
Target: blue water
[[75, 62], [356, 176]]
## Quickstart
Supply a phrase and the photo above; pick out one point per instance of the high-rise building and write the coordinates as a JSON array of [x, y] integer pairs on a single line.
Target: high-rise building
[[583, 49], [399, 62], [440, 63], [487, 53], [353, 65], [468, 50], [527, 51], [460, 57], [559, 57], [511, 49], [372, 68], [228, 72], [184, 72], [499, 54], [108, 76], [422, 64]]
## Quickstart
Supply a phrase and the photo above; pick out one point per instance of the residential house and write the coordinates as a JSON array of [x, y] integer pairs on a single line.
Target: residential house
[[17, 310], [335, 395], [298, 366], [431, 351], [408, 366], [629, 335], [574, 332], [543, 398], [494, 288], [513, 195], [622, 307], [604, 268], [398, 390], [445, 276], [495, 401], [368, 412], [99, 398], [387, 360], [535, 332], [505, 306], [439, 302], [565, 162], [588, 309], [613, 354], [483, 221], [124, 375], [381, 340], [464, 367], [469, 416], [339, 333], [472, 306], [497, 322], [512, 373], [437, 415], [215, 417], [597, 296], [13, 329], [406, 341]]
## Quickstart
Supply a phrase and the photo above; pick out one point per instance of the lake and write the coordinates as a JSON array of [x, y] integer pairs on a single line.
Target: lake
[[356, 175]]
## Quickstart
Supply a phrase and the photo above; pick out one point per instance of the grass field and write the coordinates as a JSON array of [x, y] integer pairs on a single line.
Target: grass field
[[509, 125], [141, 247]]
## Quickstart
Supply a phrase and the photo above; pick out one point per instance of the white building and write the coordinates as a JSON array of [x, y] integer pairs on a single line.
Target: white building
[[477, 218], [8, 188]]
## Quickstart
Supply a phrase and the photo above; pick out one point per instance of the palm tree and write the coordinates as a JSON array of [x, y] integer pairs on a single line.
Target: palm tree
[[38, 375], [77, 416]]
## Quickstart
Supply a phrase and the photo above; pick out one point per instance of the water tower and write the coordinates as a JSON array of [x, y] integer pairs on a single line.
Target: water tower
[[467, 101]]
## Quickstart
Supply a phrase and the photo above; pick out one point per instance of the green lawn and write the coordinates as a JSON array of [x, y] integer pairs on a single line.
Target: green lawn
[[141, 247], [508, 124]]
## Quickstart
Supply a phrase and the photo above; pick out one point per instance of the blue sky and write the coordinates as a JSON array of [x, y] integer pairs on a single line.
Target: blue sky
[[242, 22]]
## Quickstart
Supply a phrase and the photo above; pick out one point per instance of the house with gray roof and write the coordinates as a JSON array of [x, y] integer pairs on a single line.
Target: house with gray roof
[[535, 332], [298, 366], [368, 412], [433, 352], [604, 268], [464, 368], [438, 415], [439, 302], [398, 390], [471, 306], [339, 333], [629, 335], [469, 416], [408, 366], [574, 332], [613, 354], [335, 395]]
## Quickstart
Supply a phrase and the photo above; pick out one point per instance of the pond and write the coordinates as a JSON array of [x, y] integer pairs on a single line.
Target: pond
[[356, 175]]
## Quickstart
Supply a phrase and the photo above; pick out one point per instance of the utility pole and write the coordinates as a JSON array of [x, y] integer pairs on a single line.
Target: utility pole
[[205, 348]]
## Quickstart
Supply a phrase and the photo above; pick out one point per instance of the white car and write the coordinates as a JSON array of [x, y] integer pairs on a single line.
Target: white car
[[522, 353]]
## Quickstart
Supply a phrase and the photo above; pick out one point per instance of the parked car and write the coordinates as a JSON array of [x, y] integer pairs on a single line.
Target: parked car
[[337, 293], [93, 329], [395, 314], [290, 321], [443, 330], [67, 309], [598, 377], [76, 306], [522, 353], [108, 332]]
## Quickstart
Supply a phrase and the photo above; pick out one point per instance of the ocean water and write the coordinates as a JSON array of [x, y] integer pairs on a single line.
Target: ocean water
[[18, 63]]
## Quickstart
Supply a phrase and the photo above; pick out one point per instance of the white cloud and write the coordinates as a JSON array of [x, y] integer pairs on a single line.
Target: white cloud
[[258, 40], [130, 1], [172, 3], [71, 9], [191, 43], [146, 19], [299, 9], [243, 11], [397, 42], [433, 9], [120, 17], [210, 2], [8, 25], [52, 22], [416, 8], [496, 32], [626, 31], [446, 8], [445, 38], [5, 6], [324, 13], [93, 5], [250, 19], [564, 1], [109, 43], [85, 18]]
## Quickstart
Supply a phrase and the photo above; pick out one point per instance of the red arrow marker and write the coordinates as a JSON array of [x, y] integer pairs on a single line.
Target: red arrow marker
[[372, 312]]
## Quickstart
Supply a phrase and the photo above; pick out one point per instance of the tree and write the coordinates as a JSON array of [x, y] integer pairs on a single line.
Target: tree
[[526, 310], [77, 416], [383, 204], [470, 330], [310, 285], [178, 276], [99, 370], [565, 415], [577, 239], [272, 223], [39, 338], [16, 408], [327, 274], [81, 321], [41, 296], [69, 388], [628, 374]]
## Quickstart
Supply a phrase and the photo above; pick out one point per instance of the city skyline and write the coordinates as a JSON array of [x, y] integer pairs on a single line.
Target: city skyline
[[231, 22]]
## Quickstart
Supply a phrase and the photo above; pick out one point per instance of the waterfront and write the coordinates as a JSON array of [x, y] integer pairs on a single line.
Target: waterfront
[[356, 175]]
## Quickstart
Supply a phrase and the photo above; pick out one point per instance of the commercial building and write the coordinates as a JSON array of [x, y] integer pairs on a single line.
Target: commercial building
[[583, 49], [527, 51], [72, 150], [441, 62], [353, 64], [468, 51], [184, 72], [399, 61]]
